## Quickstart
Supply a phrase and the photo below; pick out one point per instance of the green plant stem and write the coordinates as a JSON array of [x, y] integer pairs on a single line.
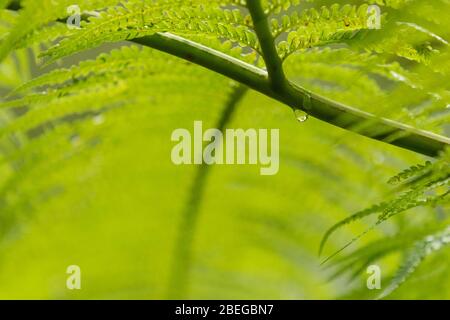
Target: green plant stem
[[269, 52], [181, 265], [335, 113], [322, 108]]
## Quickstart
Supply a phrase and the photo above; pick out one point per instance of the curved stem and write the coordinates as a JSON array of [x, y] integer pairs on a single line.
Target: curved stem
[[181, 265], [322, 108], [330, 111]]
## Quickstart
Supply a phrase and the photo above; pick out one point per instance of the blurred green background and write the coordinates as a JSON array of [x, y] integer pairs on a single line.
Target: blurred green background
[[104, 194]]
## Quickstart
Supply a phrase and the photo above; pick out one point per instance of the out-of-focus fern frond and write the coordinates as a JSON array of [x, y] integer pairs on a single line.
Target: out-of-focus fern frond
[[60, 92], [356, 262], [36, 17], [14, 70], [431, 190], [410, 172], [415, 256]]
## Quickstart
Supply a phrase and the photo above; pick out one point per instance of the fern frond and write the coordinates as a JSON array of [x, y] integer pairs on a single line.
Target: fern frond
[[355, 217], [415, 256], [429, 191], [410, 172], [277, 6], [37, 15], [356, 262], [129, 59], [136, 19], [44, 36], [7, 20], [416, 139], [79, 89], [14, 70], [348, 24], [393, 42], [314, 28], [365, 62]]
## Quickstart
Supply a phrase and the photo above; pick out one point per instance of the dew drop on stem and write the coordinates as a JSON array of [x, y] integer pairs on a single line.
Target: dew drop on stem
[[301, 115]]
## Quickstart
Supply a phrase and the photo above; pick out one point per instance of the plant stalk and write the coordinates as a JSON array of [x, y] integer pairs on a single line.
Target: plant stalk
[[322, 108]]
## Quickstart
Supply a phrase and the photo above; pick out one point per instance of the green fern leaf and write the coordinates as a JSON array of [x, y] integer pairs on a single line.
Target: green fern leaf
[[135, 19], [430, 191], [415, 256]]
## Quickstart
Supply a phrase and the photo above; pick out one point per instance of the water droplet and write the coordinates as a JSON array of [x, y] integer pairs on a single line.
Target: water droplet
[[301, 115]]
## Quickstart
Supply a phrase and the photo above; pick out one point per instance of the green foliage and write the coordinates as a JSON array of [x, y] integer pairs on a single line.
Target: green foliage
[[314, 28], [415, 256], [430, 188], [135, 19], [84, 146], [413, 171]]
